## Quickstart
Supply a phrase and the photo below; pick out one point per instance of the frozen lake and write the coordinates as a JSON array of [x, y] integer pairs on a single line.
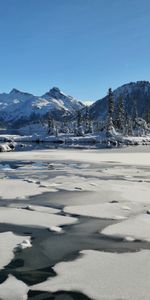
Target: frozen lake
[[73, 223]]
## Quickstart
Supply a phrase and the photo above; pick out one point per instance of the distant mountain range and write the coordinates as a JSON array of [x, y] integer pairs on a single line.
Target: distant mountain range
[[18, 108]]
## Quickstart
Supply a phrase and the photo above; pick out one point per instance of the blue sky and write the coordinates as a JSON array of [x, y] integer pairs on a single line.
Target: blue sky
[[82, 46]]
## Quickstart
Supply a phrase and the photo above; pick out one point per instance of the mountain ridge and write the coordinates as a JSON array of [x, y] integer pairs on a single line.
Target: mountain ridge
[[133, 93], [17, 107]]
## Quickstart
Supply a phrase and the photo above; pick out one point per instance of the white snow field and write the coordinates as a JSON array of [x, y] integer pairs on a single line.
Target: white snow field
[[103, 276], [111, 185]]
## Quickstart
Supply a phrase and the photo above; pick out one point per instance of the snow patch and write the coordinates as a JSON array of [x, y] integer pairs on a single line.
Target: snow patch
[[102, 275], [137, 227], [13, 289]]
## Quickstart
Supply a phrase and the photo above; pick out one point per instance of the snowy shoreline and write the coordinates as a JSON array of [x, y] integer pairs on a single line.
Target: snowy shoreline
[[90, 141]]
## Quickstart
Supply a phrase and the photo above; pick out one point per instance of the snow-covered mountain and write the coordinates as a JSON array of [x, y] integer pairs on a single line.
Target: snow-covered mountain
[[17, 107], [133, 94]]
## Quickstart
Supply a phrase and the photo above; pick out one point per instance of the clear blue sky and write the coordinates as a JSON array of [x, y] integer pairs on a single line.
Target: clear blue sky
[[82, 46]]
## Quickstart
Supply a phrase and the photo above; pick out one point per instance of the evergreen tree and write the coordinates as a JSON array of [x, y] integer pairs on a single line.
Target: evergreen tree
[[78, 130], [65, 125], [86, 119], [109, 125], [110, 103], [120, 114], [88, 122], [79, 118]]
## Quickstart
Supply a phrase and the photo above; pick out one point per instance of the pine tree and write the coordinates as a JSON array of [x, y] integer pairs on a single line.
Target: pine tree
[[79, 118], [65, 125], [88, 122], [78, 130], [110, 103], [109, 125], [86, 119], [120, 114]]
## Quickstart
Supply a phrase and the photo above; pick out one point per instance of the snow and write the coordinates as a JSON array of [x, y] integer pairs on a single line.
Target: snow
[[135, 192], [17, 104], [56, 229], [30, 218], [102, 275], [90, 156], [13, 289], [37, 131], [18, 189], [5, 148], [8, 243], [68, 183], [25, 244], [43, 209], [105, 210], [135, 227]]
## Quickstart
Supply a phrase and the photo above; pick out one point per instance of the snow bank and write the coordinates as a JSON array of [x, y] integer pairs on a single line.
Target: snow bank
[[102, 275], [38, 133]]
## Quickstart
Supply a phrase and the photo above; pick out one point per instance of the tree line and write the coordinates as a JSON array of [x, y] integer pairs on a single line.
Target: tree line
[[118, 120]]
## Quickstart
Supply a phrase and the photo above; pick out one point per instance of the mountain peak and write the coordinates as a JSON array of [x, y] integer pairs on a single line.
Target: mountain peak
[[54, 92], [14, 91], [55, 89]]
